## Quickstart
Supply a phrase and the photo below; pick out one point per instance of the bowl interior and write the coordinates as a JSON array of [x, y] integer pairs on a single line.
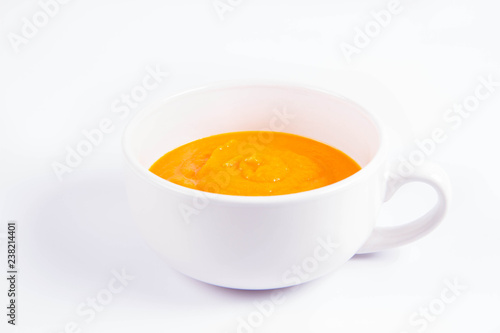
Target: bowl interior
[[208, 111]]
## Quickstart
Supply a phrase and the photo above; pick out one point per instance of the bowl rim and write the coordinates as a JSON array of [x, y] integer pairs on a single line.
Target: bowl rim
[[377, 160]]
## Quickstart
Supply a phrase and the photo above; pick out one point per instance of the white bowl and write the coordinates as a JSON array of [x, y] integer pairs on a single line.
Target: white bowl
[[263, 242]]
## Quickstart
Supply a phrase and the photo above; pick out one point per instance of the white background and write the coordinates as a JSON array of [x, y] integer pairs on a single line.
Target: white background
[[73, 233]]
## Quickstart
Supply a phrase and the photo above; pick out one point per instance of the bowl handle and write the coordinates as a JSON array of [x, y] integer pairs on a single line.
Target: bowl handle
[[383, 238]]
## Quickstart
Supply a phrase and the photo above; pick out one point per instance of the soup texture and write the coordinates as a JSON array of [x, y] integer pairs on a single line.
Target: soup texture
[[255, 163]]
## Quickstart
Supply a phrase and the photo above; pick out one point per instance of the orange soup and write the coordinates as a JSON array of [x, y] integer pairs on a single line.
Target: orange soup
[[255, 163]]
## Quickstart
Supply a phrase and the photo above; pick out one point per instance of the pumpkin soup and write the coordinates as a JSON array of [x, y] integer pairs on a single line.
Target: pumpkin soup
[[255, 163]]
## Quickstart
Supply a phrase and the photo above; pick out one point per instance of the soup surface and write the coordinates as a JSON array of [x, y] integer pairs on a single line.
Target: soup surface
[[255, 163]]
